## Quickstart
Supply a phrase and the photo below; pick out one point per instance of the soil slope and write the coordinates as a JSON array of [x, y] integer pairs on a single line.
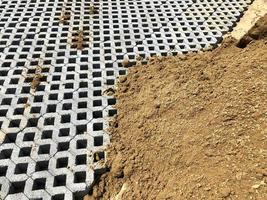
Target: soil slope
[[191, 127]]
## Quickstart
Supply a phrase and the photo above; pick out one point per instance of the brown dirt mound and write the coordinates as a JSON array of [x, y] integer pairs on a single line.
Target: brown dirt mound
[[191, 127]]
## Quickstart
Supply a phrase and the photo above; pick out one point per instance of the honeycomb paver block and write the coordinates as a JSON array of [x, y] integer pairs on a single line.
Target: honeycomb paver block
[[53, 107]]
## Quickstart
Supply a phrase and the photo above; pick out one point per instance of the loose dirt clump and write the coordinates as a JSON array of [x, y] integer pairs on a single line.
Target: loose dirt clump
[[109, 92], [36, 81], [64, 17], [81, 38], [78, 40], [34, 76], [93, 9], [191, 127]]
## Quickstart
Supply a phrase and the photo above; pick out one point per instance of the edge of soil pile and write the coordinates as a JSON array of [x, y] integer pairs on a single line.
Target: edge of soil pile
[[192, 126]]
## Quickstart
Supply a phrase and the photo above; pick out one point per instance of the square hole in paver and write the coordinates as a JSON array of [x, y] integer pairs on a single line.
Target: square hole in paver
[[82, 104], [21, 168], [3, 112], [112, 112], [98, 141], [47, 134], [14, 123], [68, 96], [10, 90], [53, 96], [100, 155], [81, 116], [97, 114], [39, 184], [63, 132], [25, 151], [59, 180], [97, 103], [6, 101], [97, 126], [96, 93], [18, 111], [41, 165], [97, 83], [49, 121], [79, 177], [62, 162], [29, 136], [83, 94], [32, 122], [35, 109], [63, 146], [51, 108], [67, 106], [16, 187], [37, 98], [65, 118], [3, 170], [10, 138], [58, 197], [83, 85], [81, 129], [44, 149], [80, 160], [6, 153], [81, 144]]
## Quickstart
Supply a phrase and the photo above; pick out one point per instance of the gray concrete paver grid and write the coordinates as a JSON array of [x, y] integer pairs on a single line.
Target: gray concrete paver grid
[[52, 129]]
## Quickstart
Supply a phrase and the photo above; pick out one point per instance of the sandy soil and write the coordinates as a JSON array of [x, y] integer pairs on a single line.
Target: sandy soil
[[191, 127]]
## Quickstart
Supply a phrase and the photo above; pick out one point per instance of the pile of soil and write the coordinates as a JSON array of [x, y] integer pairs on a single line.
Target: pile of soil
[[191, 127]]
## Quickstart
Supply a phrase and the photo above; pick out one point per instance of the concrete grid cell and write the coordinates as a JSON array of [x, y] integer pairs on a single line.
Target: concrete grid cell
[[57, 59]]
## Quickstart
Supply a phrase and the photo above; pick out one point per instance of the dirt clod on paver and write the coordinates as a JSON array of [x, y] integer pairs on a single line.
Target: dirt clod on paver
[[78, 40], [64, 17], [191, 127], [81, 38], [36, 78], [36, 81], [93, 9]]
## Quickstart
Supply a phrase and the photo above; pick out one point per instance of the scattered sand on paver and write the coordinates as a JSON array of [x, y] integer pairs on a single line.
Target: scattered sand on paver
[[191, 127]]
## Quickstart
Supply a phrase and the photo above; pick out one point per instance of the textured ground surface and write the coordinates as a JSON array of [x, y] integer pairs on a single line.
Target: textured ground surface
[[57, 57], [192, 127]]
